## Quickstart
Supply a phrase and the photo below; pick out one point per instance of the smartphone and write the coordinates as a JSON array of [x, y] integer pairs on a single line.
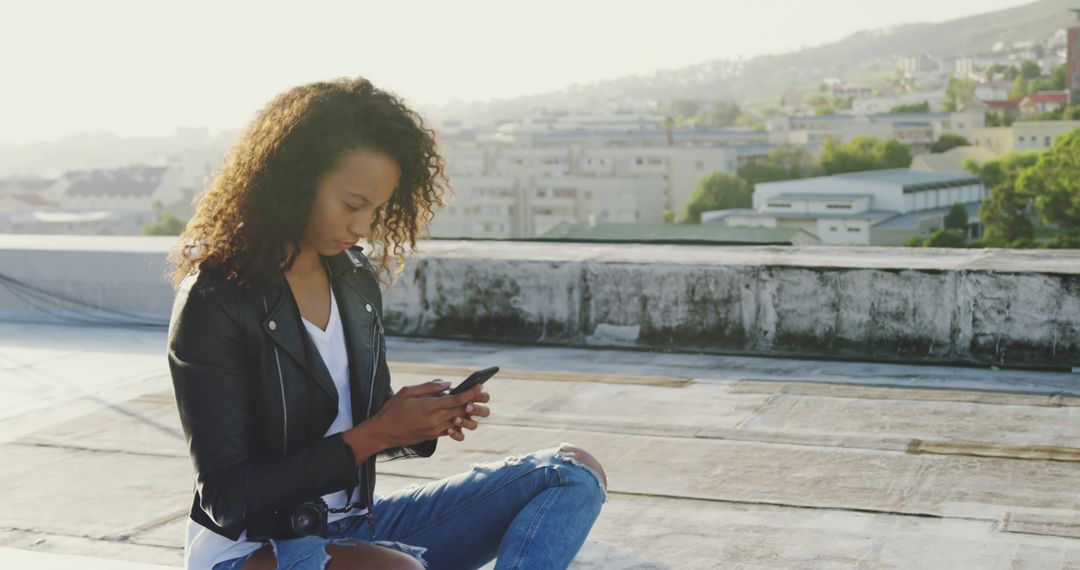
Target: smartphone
[[478, 377]]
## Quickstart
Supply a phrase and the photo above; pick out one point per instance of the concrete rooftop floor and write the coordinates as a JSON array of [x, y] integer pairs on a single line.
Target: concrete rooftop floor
[[713, 462]]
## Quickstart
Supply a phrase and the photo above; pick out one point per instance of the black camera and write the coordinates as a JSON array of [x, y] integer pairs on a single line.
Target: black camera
[[306, 519]]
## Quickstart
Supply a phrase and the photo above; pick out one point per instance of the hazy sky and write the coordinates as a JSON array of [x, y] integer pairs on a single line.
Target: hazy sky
[[145, 67]]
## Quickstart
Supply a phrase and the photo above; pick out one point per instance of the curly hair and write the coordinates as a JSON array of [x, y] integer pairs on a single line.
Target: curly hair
[[251, 211]]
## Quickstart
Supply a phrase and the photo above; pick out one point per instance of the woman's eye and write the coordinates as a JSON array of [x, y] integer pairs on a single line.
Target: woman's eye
[[351, 209]]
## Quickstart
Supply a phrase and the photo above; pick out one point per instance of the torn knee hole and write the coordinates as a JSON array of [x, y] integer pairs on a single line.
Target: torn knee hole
[[569, 452]]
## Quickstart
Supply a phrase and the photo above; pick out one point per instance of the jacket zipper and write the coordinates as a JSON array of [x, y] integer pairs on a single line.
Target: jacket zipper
[[281, 384], [376, 327]]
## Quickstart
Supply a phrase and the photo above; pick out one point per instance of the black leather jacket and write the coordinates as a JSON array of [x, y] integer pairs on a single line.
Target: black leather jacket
[[255, 398]]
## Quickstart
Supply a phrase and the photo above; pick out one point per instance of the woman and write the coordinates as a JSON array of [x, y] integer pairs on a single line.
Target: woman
[[279, 369]]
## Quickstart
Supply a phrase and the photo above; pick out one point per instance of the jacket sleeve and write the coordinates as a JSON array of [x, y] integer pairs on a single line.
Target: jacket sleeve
[[423, 449], [212, 383]]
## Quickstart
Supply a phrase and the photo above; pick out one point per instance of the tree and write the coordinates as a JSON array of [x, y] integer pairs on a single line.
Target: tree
[[958, 93], [1053, 82], [1029, 69], [722, 114], [923, 107], [167, 225], [785, 162], [685, 107], [947, 141], [891, 154], [999, 120], [957, 218], [668, 123], [717, 191], [1020, 88], [946, 238], [863, 153], [1005, 215], [764, 171], [1055, 183], [837, 158], [796, 160]]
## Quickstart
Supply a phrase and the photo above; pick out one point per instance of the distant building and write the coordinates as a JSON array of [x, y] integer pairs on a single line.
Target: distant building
[[99, 222], [857, 208], [109, 201], [996, 90], [913, 63], [1022, 135], [918, 130], [1043, 102], [521, 182], [1004, 109]]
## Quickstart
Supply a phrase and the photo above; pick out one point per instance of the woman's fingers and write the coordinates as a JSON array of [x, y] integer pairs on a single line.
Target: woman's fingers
[[455, 434], [477, 410]]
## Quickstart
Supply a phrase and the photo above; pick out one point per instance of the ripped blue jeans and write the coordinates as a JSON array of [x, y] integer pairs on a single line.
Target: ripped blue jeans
[[528, 511]]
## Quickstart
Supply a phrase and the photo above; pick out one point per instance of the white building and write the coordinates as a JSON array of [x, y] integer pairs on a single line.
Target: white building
[[520, 182], [918, 130], [879, 207]]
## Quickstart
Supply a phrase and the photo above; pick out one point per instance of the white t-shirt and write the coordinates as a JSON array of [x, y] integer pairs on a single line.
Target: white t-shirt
[[204, 547]]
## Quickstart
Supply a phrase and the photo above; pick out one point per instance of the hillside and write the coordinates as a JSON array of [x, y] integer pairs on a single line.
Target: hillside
[[859, 54]]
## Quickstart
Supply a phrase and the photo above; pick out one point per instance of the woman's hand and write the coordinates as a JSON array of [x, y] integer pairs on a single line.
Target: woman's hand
[[424, 411], [471, 409]]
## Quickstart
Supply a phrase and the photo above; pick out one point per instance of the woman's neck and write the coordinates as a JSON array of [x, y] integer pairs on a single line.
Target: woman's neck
[[307, 264]]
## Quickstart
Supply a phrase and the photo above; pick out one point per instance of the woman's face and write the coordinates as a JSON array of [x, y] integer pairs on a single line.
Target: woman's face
[[346, 199]]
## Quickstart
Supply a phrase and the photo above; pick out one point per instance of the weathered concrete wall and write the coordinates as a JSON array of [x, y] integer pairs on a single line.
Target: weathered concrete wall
[[990, 307], [116, 279], [997, 307]]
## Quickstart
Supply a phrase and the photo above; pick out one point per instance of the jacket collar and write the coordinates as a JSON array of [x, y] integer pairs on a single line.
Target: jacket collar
[[344, 262], [283, 325]]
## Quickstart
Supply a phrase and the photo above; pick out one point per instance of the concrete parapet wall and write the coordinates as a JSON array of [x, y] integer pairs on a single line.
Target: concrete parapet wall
[[984, 307], [981, 307]]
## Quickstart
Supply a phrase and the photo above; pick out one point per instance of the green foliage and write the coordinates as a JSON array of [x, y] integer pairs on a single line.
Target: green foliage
[[923, 107], [167, 225], [722, 114], [1064, 242], [946, 238], [947, 141], [759, 172], [717, 191], [916, 241], [957, 218], [863, 153], [1006, 71], [1020, 88], [684, 107], [1055, 183], [669, 217], [1005, 215], [698, 113], [1030, 70], [998, 120], [785, 162], [1053, 82], [1067, 113], [958, 93]]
